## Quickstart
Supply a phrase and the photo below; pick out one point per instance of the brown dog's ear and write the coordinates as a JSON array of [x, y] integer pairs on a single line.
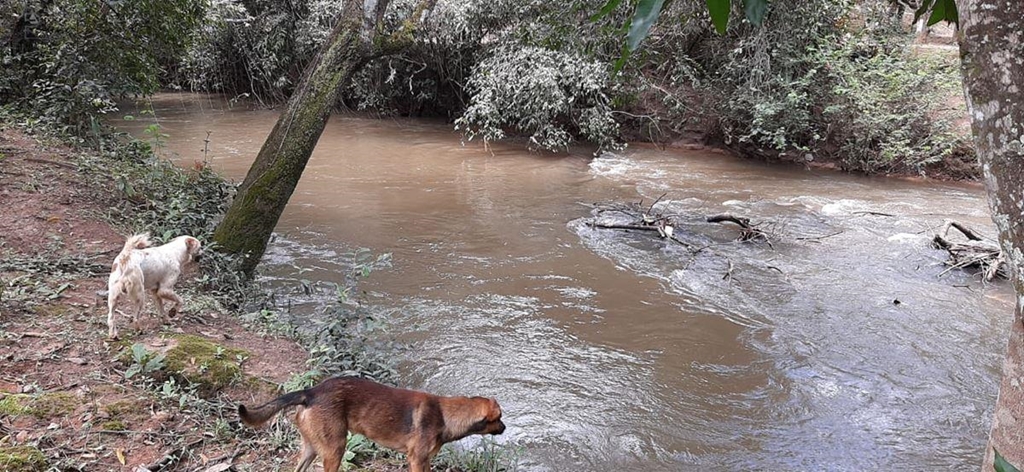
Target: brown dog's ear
[[493, 410]]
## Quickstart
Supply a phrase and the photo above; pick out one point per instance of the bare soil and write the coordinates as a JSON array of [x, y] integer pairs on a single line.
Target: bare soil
[[55, 253]]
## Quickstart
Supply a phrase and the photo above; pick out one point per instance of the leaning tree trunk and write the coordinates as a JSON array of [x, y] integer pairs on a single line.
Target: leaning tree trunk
[[992, 54], [261, 198]]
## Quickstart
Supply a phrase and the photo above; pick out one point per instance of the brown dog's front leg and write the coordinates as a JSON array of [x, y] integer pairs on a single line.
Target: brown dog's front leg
[[418, 463]]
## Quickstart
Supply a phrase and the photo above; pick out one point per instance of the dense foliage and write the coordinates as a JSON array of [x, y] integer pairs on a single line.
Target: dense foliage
[[820, 79], [68, 60]]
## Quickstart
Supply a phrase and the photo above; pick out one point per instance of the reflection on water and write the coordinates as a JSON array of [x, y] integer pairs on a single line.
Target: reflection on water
[[614, 351]]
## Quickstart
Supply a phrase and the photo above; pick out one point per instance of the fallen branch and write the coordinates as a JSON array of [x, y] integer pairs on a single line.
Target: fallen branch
[[748, 232], [875, 213], [976, 252], [623, 226], [728, 272], [818, 238], [52, 162], [229, 456], [660, 229], [743, 222], [967, 232]]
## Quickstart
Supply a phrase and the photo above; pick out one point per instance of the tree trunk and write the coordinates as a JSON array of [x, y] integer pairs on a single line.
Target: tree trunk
[[992, 53], [262, 197]]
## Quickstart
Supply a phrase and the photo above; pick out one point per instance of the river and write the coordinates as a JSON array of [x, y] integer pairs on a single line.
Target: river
[[612, 350]]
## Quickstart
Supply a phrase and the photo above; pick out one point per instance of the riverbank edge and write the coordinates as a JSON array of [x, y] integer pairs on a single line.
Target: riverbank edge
[[162, 396]]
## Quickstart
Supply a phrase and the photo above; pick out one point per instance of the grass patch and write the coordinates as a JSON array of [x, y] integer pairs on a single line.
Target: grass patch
[[486, 456], [204, 363], [22, 459], [49, 405], [113, 425], [14, 405], [44, 406]]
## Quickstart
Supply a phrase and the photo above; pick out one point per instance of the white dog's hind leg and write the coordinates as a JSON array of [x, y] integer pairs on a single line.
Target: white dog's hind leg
[[159, 302], [140, 304], [111, 328]]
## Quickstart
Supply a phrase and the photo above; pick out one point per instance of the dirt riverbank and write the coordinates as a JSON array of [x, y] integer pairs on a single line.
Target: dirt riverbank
[[65, 401]]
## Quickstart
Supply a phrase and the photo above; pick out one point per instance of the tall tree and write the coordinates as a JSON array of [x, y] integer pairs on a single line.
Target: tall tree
[[992, 54], [272, 178]]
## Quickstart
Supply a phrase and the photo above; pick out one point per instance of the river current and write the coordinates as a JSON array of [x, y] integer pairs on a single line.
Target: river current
[[844, 346]]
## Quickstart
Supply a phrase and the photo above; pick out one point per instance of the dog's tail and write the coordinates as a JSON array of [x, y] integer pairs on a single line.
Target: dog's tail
[[138, 241], [261, 414]]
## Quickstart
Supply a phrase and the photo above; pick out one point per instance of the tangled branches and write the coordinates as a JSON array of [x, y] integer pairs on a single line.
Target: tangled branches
[[748, 231], [645, 218], [976, 252]]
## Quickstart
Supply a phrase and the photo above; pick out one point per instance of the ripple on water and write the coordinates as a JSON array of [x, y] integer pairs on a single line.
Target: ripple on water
[[799, 360]]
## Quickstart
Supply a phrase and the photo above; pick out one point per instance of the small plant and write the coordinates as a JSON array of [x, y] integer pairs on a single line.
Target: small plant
[[171, 390], [157, 139], [1002, 465], [144, 362], [302, 380], [486, 456], [357, 446], [267, 321]]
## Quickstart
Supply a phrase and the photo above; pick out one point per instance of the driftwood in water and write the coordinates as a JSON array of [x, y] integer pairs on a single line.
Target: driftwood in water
[[976, 252], [748, 231], [623, 226], [644, 219], [743, 222]]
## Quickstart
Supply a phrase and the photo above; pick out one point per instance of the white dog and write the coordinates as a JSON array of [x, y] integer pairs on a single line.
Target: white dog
[[140, 269]]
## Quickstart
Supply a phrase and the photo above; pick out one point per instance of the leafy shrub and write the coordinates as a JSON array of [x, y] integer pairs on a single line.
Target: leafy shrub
[[545, 94], [345, 339], [256, 47], [829, 79], [892, 109]]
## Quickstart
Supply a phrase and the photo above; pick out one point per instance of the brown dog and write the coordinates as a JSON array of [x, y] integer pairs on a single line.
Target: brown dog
[[408, 421]]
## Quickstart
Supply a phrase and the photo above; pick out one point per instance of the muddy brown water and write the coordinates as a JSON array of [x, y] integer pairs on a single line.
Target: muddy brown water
[[611, 350]]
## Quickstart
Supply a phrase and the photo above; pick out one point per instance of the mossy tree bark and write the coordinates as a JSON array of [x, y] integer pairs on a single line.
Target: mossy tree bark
[[250, 221], [992, 54]]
